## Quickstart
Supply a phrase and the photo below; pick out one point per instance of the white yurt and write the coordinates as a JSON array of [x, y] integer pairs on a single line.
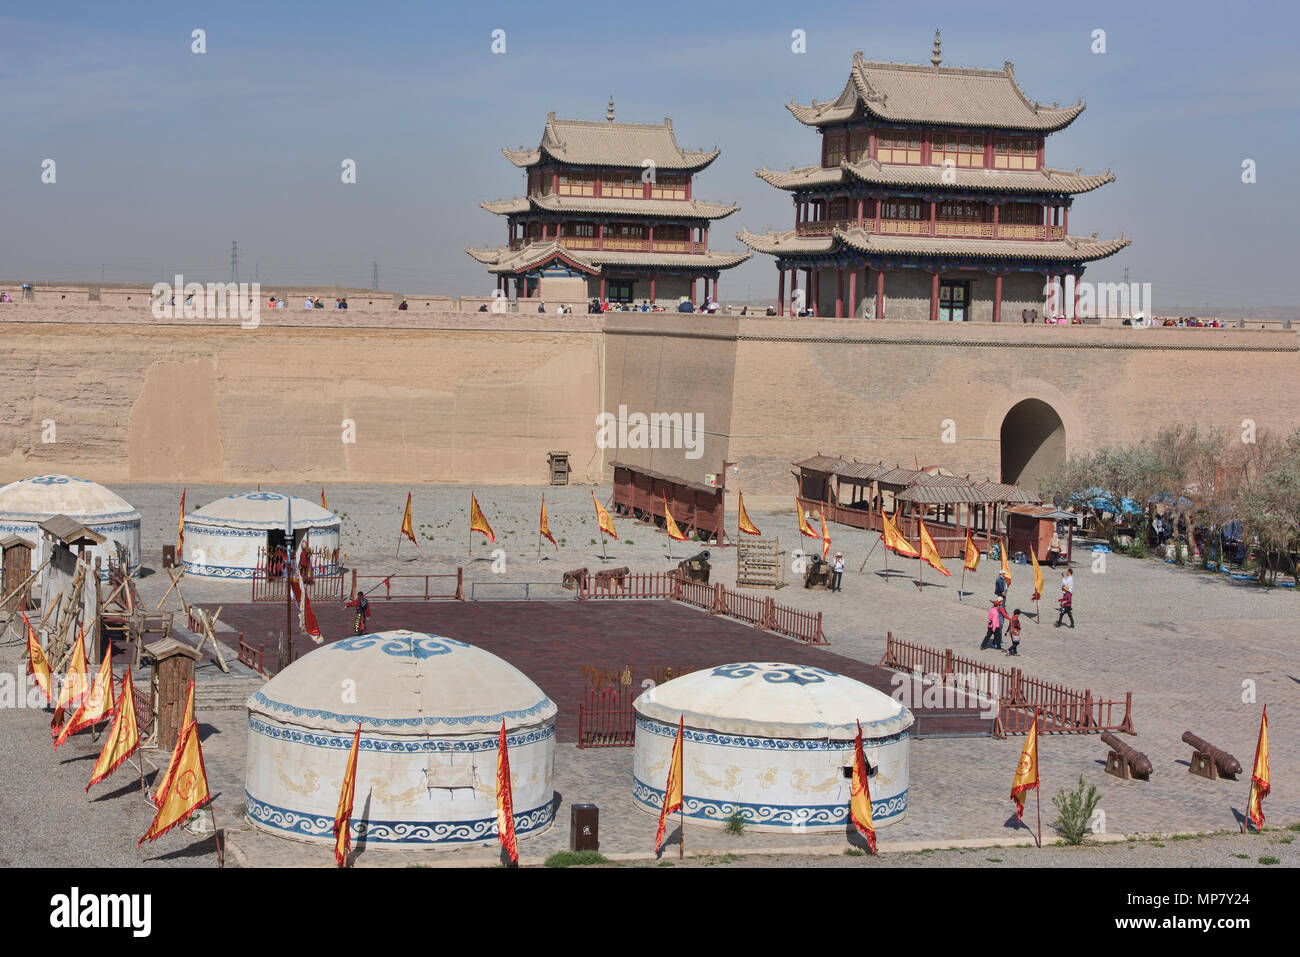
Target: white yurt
[[222, 539], [28, 502], [773, 742], [430, 710]]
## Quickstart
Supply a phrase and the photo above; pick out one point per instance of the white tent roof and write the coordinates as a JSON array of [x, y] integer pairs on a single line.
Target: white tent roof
[[775, 700], [261, 510], [406, 682], [42, 496]]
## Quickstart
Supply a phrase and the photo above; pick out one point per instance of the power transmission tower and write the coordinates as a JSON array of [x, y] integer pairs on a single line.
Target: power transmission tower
[[374, 275], [1126, 275], [234, 262]]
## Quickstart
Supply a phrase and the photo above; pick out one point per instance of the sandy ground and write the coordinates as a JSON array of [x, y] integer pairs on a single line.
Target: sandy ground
[[1196, 650]]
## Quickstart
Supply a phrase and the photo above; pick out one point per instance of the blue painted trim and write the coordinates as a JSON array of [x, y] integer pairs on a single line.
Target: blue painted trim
[[332, 742], [662, 730], [261, 700], [393, 832], [769, 815]]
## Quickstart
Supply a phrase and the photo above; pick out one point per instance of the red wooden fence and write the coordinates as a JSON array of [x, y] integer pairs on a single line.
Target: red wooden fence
[[606, 718], [385, 587], [1019, 696]]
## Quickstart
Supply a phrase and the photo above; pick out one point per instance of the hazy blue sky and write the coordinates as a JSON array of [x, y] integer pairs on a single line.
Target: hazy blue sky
[[165, 156]]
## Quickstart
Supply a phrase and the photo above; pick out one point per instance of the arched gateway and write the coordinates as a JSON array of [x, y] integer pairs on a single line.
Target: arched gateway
[[1032, 442]]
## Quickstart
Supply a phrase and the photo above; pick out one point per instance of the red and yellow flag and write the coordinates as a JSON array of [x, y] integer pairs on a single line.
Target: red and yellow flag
[[1259, 783], [544, 529], [322, 499], [930, 554], [38, 666], [1038, 575], [186, 791], [505, 799], [860, 795], [673, 790], [123, 738], [76, 683], [343, 816], [180, 530], [166, 779], [826, 538], [602, 518], [894, 540], [743, 522], [972, 561], [1026, 778], [97, 705], [670, 524], [408, 527], [804, 527], [1006, 569], [306, 617], [478, 521]]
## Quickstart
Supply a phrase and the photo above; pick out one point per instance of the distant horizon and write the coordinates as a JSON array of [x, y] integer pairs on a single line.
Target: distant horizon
[[165, 156]]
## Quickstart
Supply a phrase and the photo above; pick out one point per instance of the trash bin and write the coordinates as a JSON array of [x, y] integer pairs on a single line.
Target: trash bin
[[584, 827]]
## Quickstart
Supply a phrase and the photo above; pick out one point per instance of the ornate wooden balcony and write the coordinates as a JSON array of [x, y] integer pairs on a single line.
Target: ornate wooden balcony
[[921, 227]]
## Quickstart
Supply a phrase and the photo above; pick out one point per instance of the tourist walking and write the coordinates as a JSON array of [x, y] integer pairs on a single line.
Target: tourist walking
[[1013, 632], [1067, 580], [993, 636], [1054, 548], [1001, 586], [1065, 604], [837, 571], [363, 613]]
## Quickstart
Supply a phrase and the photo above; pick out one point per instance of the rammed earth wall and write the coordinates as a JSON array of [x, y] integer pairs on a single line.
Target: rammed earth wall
[[471, 397]]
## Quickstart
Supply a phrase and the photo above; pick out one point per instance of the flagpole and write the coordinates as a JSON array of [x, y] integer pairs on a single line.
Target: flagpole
[[1038, 789], [870, 553]]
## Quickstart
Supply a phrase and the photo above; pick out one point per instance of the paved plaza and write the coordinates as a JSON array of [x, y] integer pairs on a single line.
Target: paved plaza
[[1197, 650]]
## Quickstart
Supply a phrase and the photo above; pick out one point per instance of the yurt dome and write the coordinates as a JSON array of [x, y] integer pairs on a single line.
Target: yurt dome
[[430, 710], [28, 502], [224, 539], [774, 742]]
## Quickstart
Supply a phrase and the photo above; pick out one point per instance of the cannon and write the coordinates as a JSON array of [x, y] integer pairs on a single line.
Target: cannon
[[818, 574], [1209, 761], [610, 577], [574, 579], [1125, 762], [695, 568]]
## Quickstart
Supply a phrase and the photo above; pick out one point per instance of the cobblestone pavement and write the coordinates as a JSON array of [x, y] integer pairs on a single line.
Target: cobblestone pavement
[[1191, 647]]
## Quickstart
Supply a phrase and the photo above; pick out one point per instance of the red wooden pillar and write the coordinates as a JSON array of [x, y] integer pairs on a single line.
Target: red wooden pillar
[[602, 288], [715, 286], [600, 236], [877, 216], [853, 292], [934, 297], [1065, 221], [996, 210], [861, 201], [1047, 224], [997, 298], [780, 292], [652, 290], [816, 291], [1075, 313], [839, 292], [651, 229], [692, 291], [933, 207], [880, 294]]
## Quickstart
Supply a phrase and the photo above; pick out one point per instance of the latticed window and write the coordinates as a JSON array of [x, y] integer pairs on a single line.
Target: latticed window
[[672, 234], [621, 185], [960, 212], [837, 209], [669, 186], [899, 147], [534, 182], [859, 145], [1021, 214], [834, 148], [587, 230], [625, 231], [900, 209], [577, 184], [964, 150], [1015, 152]]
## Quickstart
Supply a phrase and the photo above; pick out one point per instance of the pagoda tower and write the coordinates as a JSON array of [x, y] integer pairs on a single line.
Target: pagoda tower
[[932, 200], [609, 213]]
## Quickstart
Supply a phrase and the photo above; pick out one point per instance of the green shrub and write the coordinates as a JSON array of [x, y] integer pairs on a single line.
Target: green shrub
[[736, 824], [1074, 811], [1269, 860], [575, 858]]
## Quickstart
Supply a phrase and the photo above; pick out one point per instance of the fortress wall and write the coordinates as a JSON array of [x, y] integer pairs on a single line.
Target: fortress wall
[[466, 397], [469, 401]]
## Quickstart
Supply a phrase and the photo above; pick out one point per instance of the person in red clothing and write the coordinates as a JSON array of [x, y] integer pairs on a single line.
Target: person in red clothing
[[1013, 632], [1066, 605], [363, 613]]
